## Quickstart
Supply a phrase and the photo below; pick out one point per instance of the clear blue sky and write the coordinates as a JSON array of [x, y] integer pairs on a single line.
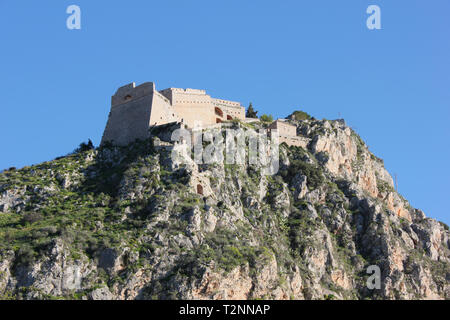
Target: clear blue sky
[[391, 85]]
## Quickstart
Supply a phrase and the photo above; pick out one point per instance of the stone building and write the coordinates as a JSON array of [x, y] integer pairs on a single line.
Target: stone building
[[284, 128], [195, 107], [136, 109], [287, 133]]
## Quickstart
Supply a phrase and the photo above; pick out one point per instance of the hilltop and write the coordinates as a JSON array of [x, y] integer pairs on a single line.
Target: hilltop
[[126, 222]]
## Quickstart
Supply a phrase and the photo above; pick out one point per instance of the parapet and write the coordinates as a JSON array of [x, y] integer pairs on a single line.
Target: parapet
[[185, 91], [227, 103], [131, 92], [125, 88]]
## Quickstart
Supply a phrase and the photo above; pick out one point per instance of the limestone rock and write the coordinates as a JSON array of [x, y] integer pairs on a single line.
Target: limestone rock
[[131, 222]]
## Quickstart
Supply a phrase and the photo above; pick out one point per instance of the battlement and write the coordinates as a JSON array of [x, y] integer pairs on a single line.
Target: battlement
[[186, 91], [179, 96], [130, 92], [136, 109], [226, 103]]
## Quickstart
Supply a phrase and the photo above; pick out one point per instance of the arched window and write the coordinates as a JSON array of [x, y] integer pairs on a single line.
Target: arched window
[[127, 97], [199, 189], [229, 117], [218, 120], [218, 111]]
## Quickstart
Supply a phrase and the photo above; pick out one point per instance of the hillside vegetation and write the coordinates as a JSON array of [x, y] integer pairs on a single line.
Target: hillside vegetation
[[128, 223]]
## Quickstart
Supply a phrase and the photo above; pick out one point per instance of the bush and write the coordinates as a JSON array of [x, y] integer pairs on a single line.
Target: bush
[[300, 115], [313, 174], [31, 217], [25, 255], [299, 227], [445, 226], [84, 146], [266, 118]]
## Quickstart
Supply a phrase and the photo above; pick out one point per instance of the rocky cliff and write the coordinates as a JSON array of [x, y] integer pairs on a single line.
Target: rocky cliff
[[128, 223]]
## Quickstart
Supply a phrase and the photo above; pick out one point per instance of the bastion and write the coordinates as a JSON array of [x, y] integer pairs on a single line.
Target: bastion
[[136, 110]]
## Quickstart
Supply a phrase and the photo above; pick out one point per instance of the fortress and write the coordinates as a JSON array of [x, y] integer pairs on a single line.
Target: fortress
[[135, 110]]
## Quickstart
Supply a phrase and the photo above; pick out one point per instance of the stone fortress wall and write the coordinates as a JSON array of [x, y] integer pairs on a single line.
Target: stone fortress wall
[[196, 108], [135, 109], [193, 107]]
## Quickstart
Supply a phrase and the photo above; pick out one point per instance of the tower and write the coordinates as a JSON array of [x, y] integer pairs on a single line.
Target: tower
[[133, 111]]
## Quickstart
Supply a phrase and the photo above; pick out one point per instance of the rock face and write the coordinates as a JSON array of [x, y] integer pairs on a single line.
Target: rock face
[[132, 223]]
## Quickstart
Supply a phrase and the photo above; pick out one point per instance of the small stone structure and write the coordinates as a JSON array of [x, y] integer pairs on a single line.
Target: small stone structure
[[136, 110], [284, 128], [288, 133]]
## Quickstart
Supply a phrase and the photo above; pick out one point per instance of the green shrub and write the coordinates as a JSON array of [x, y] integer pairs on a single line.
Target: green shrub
[[445, 226], [313, 174], [84, 146], [31, 217], [266, 118], [300, 115], [383, 186], [25, 255]]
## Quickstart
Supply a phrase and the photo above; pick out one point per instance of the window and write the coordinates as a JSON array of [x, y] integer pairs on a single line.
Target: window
[[218, 111]]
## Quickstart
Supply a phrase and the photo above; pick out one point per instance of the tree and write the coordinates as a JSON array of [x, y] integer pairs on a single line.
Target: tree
[[300, 115], [85, 146], [251, 113], [266, 118]]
